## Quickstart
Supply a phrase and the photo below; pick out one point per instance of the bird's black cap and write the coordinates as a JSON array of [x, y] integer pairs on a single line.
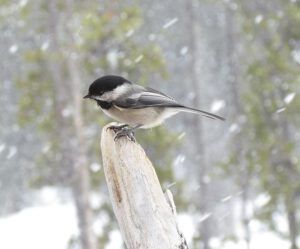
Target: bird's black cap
[[105, 84]]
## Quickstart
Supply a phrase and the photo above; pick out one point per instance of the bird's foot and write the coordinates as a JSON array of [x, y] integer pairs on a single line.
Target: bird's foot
[[117, 128], [125, 132]]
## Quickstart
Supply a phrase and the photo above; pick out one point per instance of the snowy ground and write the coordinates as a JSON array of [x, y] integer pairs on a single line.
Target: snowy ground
[[46, 227], [52, 224]]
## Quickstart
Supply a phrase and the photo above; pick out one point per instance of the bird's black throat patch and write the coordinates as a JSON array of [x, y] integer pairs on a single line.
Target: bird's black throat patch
[[104, 104]]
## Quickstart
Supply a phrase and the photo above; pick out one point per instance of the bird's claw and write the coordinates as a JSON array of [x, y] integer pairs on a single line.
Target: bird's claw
[[116, 128], [125, 133]]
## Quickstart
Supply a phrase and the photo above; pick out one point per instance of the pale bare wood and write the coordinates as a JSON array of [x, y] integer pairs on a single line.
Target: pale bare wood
[[147, 219]]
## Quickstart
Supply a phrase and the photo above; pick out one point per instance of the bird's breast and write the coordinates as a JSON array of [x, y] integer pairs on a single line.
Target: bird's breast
[[146, 117]]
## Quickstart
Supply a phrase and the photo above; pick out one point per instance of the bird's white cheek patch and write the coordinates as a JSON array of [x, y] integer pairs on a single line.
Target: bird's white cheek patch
[[120, 90], [116, 93]]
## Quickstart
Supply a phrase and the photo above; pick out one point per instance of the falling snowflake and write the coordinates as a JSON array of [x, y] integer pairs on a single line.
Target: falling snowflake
[[184, 50], [152, 37], [112, 58], [227, 198], [12, 151], [13, 49], [204, 217], [234, 127], [181, 136], [139, 58], [2, 147], [170, 23], [22, 3], [296, 56], [129, 33], [67, 112], [258, 19], [45, 46], [95, 167], [289, 98], [217, 105], [281, 110]]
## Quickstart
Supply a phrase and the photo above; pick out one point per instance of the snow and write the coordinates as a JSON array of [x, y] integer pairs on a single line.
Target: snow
[[184, 50], [115, 240], [262, 200], [12, 151], [289, 98], [139, 58], [170, 185], [46, 148], [217, 105], [152, 37], [112, 58], [204, 217], [13, 49], [52, 224], [234, 128], [186, 226], [129, 33], [179, 159], [2, 147], [267, 240], [215, 242], [45, 46], [296, 56], [281, 110], [227, 198], [44, 227], [95, 167], [181, 136], [23, 3], [67, 112], [258, 19], [170, 23], [206, 179], [95, 200]]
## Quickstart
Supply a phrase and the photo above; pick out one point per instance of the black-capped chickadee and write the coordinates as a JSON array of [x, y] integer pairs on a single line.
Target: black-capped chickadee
[[134, 105]]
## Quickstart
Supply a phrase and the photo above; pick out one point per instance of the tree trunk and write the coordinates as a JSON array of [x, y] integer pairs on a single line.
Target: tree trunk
[[293, 229], [244, 175], [81, 183], [147, 219], [75, 153], [200, 160]]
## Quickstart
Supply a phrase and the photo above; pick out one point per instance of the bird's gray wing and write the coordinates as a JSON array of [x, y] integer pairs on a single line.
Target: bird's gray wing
[[146, 97]]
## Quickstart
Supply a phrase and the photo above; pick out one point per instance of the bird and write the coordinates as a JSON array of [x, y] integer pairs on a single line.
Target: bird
[[135, 106]]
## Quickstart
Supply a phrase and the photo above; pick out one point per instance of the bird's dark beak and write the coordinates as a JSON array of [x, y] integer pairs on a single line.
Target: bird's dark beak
[[87, 96]]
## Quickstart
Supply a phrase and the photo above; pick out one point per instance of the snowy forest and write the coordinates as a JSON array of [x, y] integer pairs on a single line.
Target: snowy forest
[[236, 184]]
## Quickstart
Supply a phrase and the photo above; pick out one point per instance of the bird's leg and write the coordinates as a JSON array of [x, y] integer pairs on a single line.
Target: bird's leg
[[117, 128], [127, 132]]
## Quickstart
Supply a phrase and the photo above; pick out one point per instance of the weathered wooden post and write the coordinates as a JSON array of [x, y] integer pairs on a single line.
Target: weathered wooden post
[[146, 217]]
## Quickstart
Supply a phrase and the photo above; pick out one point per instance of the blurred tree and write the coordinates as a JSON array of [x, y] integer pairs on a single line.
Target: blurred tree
[[271, 109], [74, 39], [197, 127], [237, 168]]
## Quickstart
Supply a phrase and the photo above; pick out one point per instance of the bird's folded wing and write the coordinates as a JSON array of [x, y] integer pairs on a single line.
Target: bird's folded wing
[[152, 98], [147, 98]]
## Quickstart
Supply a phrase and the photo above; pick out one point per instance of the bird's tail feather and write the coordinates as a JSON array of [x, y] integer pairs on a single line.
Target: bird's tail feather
[[203, 113]]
